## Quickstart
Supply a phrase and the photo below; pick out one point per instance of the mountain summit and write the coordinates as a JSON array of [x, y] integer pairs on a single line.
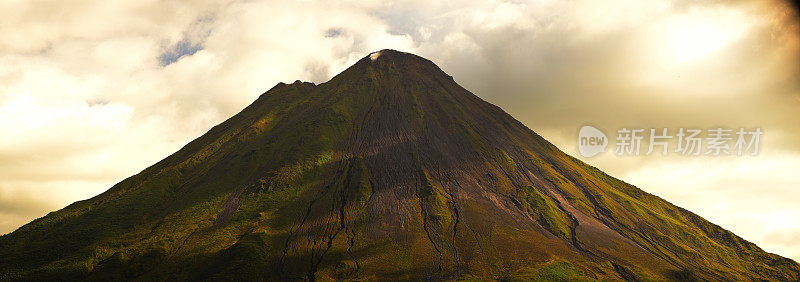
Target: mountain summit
[[390, 170]]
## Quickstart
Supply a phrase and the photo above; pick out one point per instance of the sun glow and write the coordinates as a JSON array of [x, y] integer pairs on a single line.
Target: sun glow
[[691, 41], [686, 52], [697, 34]]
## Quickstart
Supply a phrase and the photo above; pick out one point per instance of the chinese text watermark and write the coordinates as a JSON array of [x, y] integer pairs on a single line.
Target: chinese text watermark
[[684, 141]]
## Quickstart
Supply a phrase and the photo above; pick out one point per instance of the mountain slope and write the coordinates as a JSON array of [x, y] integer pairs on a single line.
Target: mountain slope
[[388, 170]]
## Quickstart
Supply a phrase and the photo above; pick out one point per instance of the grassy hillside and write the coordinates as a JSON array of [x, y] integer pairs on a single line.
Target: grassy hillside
[[388, 170]]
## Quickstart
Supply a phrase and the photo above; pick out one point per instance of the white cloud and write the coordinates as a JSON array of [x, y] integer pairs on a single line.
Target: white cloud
[[755, 197], [82, 82]]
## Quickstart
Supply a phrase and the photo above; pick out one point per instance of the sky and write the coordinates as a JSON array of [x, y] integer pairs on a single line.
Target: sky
[[92, 92]]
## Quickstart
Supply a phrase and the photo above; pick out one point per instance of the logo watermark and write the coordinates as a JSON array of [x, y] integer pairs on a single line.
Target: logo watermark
[[591, 141], [684, 141]]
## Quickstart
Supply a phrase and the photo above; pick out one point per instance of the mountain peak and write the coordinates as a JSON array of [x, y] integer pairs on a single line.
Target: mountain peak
[[374, 55], [387, 53], [389, 57]]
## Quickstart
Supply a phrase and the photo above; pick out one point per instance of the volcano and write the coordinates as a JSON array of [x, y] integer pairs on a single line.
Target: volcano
[[390, 170]]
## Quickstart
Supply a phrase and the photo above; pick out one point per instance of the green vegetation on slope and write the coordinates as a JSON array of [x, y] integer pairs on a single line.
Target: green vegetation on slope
[[389, 170]]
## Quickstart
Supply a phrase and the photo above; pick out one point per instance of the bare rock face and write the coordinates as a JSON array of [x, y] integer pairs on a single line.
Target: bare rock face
[[390, 170]]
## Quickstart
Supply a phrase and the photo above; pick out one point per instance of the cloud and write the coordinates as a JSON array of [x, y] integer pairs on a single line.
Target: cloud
[[562, 71], [82, 82], [783, 241], [755, 197]]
